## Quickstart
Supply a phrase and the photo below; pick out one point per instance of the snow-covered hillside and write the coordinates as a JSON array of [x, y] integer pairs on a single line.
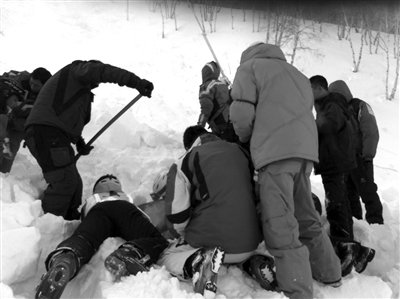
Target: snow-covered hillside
[[149, 136]]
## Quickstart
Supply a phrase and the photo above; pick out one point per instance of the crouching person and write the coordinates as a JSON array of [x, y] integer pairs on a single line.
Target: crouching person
[[108, 213], [210, 207]]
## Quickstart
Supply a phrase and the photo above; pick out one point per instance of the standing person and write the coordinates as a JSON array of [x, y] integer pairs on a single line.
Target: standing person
[[29, 85], [337, 158], [211, 206], [272, 107], [57, 119], [361, 179], [109, 212], [214, 103]]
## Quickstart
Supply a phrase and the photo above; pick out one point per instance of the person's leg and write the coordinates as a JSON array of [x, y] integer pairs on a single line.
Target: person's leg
[[281, 229], [353, 193], [54, 154], [338, 210], [325, 265], [369, 195]]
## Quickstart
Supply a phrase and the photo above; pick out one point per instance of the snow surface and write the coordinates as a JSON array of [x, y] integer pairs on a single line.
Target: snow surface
[[148, 137]]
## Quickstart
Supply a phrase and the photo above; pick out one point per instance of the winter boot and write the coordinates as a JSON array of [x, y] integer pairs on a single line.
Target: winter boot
[[62, 265], [126, 260], [260, 268], [347, 253], [202, 267], [364, 256]]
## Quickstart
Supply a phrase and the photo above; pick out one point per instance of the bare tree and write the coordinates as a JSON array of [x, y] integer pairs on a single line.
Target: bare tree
[[356, 58]]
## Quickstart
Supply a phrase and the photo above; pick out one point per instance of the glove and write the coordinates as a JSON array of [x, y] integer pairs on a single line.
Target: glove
[[82, 148], [145, 87]]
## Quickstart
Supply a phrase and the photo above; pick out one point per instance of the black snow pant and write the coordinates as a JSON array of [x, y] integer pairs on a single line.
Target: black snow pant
[[117, 218], [52, 149], [338, 209], [361, 183]]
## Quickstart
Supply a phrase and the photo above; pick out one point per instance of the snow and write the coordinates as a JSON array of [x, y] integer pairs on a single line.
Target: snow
[[148, 137]]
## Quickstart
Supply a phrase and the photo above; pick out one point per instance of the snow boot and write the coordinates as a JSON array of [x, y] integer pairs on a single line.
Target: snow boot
[[202, 267], [126, 260], [260, 268], [347, 253], [365, 255], [62, 265]]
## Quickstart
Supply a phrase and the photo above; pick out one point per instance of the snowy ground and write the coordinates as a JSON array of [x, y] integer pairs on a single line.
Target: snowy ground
[[148, 137]]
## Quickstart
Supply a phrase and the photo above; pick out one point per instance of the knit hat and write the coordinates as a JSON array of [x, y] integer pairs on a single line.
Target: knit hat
[[107, 183], [339, 86]]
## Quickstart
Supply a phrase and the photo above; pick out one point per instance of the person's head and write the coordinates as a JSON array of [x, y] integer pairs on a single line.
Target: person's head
[[211, 70], [38, 78], [191, 134], [319, 86], [159, 185], [107, 183], [10, 96]]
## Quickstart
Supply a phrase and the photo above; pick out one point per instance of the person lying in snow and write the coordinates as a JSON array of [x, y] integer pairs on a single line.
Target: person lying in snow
[[211, 208], [109, 212]]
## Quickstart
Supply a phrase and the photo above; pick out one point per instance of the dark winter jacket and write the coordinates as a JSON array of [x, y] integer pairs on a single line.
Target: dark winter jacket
[[210, 197], [65, 100], [335, 135], [367, 127], [214, 98]]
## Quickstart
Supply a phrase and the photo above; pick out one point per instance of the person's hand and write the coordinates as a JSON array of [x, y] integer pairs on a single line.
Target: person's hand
[[145, 87], [83, 148]]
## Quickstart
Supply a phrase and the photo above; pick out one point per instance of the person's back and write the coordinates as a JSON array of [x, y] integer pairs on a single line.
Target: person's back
[[337, 144], [221, 180], [280, 98]]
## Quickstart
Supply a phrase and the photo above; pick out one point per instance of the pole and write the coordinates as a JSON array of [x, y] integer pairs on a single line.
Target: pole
[[111, 121]]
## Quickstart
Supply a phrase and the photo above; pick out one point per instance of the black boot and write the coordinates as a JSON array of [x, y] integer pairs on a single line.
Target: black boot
[[347, 253], [202, 267], [126, 260], [62, 265], [364, 256], [260, 268]]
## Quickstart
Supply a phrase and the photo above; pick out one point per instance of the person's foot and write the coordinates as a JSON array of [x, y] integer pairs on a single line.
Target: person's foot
[[126, 260], [260, 268], [365, 255], [205, 267], [347, 253], [62, 268]]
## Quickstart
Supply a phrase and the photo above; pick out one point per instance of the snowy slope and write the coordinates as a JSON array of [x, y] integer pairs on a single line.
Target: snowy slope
[[148, 137]]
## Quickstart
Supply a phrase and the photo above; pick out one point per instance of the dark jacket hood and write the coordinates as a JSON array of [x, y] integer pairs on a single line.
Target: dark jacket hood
[[341, 87]]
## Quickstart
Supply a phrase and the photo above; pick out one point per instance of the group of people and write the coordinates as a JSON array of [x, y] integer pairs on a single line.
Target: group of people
[[254, 165]]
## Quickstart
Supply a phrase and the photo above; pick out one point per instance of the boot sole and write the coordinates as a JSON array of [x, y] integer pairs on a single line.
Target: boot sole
[[52, 284], [207, 281], [119, 269]]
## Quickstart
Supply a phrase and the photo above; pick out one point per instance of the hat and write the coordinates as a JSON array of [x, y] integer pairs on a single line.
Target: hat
[[191, 134], [107, 183]]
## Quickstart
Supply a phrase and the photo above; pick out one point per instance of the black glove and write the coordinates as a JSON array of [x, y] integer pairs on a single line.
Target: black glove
[[145, 87], [83, 148]]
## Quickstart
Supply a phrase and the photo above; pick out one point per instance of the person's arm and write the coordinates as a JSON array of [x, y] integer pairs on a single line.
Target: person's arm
[[242, 109], [94, 72], [369, 131], [206, 96], [331, 120], [178, 208]]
